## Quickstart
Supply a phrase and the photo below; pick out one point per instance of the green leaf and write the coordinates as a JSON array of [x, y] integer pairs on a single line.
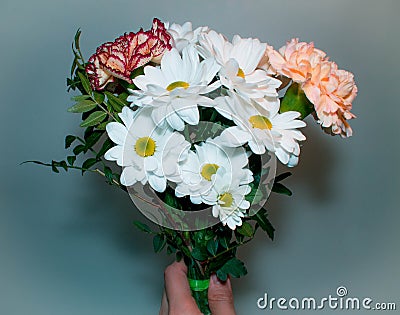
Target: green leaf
[[178, 256], [223, 276], [102, 126], [77, 38], [159, 242], [94, 119], [199, 237], [142, 227], [246, 229], [92, 139], [64, 165], [98, 97], [137, 71], [108, 174], [282, 176], [199, 254], [54, 165], [170, 199], [233, 267], [68, 140], [73, 67], [296, 100], [108, 144], [71, 159], [88, 164], [85, 83], [79, 98], [170, 250], [70, 84], [256, 194], [88, 132], [212, 247], [281, 189], [79, 149], [261, 218], [224, 241], [239, 237], [83, 106], [116, 103]]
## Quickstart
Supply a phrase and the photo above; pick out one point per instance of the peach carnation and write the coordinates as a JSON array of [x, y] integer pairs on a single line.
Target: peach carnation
[[294, 60], [329, 89], [130, 51], [332, 92]]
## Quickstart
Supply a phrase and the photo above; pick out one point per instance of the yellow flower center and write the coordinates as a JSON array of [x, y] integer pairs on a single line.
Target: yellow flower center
[[208, 170], [227, 199], [177, 84], [145, 147], [240, 73], [260, 122]]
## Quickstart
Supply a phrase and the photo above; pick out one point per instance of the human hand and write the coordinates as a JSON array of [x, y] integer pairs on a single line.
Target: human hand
[[177, 299]]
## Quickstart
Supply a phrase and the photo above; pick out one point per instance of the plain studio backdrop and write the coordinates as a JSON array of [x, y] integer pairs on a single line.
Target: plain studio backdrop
[[67, 243]]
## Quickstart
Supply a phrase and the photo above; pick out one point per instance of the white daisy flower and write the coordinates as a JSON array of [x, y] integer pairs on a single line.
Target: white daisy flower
[[263, 129], [239, 61], [175, 89], [227, 196], [184, 35], [146, 152], [199, 167]]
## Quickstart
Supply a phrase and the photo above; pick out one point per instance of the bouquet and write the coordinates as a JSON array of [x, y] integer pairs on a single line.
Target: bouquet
[[196, 124]]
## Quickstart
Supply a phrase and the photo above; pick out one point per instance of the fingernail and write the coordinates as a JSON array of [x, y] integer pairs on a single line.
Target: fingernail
[[215, 279], [228, 282]]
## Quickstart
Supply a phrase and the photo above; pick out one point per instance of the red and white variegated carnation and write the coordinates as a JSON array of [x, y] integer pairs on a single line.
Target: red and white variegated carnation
[[130, 51]]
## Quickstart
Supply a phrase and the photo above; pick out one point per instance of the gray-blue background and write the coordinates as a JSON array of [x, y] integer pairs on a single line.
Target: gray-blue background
[[67, 244]]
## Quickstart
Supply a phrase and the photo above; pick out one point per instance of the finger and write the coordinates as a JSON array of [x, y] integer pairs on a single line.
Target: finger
[[220, 297], [164, 305], [176, 283], [180, 300]]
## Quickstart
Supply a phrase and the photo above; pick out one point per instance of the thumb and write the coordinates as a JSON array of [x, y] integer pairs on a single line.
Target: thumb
[[220, 297]]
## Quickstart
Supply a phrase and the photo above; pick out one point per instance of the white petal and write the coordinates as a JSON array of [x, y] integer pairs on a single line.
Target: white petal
[[282, 155], [150, 163], [196, 199], [293, 160], [215, 211], [244, 204], [179, 194], [190, 115], [114, 154], [157, 183], [234, 137], [158, 115], [129, 176], [126, 116], [256, 147], [117, 132], [171, 63], [175, 121]]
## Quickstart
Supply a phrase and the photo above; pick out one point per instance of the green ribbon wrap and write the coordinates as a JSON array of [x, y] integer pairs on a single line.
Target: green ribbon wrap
[[199, 285]]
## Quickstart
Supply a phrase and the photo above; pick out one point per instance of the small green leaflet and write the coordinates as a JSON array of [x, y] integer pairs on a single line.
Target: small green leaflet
[[233, 267], [246, 229], [85, 83], [82, 106], [159, 242], [94, 119]]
